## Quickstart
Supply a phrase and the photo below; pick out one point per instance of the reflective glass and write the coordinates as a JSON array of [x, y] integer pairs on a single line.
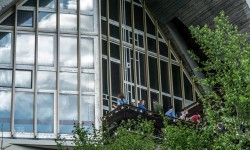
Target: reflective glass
[[46, 20], [25, 18], [68, 22], [47, 3], [88, 108], [88, 82], [25, 47], [9, 21], [114, 31], [5, 78], [46, 50], [5, 47], [31, 3], [104, 77], [23, 79], [5, 110], [150, 26], [68, 4], [138, 12], [115, 76], [114, 50], [127, 13], [23, 112], [164, 77], [188, 89], [163, 49], [87, 23], [67, 112], [114, 10], [151, 44], [68, 81], [86, 4], [68, 51], [45, 113], [46, 80], [104, 6], [141, 69], [153, 73], [87, 53], [176, 80]]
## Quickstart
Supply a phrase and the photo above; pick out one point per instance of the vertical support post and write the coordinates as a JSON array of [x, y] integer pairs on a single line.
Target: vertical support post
[[182, 85], [121, 47], [57, 69], [170, 74]]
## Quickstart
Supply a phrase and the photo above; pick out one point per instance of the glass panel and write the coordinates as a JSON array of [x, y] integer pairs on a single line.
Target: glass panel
[[68, 51], [46, 20], [155, 102], [187, 103], [45, 113], [127, 13], [87, 23], [188, 89], [104, 27], [114, 31], [9, 21], [88, 82], [141, 70], [87, 53], [68, 22], [153, 73], [23, 79], [31, 3], [86, 4], [177, 106], [138, 17], [5, 47], [114, 10], [164, 77], [25, 18], [140, 40], [25, 47], [67, 112], [68, 4], [151, 44], [5, 110], [104, 77], [163, 49], [46, 80], [68, 81], [176, 80], [115, 76], [46, 50], [114, 51], [166, 103], [104, 47], [150, 26], [23, 112], [47, 3], [104, 6], [88, 109], [6, 78]]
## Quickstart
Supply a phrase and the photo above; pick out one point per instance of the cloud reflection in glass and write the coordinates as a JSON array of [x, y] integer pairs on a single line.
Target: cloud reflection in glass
[[5, 47], [5, 109]]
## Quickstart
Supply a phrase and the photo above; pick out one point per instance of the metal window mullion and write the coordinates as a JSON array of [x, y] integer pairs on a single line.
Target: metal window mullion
[[146, 54], [13, 75], [182, 85], [134, 51], [158, 63], [36, 64], [121, 47], [170, 74], [79, 60], [108, 58], [57, 70]]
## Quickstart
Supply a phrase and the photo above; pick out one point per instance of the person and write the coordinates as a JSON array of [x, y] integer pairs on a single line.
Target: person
[[184, 114], [170, 112], [121, 100], [195, 118], [141, 105], [133, 102]]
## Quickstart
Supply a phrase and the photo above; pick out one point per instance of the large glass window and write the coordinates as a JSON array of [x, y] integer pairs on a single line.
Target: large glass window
[[68, 81], [176, 80], [88, 82], [46, 20], [114, 50], [164, 77], [163, 49], [138, 12], [5, 47], [46, 50], [5, 110], [127, 13], [104, 6], [23, 79], [86, 4], [87, 23], [47, 3], [25, 48], [153, 73], [188, 89], [45, 113], [67, 112], [104, 77], [88, 109], [166, 103], [87, 53], [115, 75], [150, 26], [25, 18], [46, 80], [68, 51], [9, 21], [114, 10], [68, 4], [5, 78], [141, 69], [23, 112], [68, 22]]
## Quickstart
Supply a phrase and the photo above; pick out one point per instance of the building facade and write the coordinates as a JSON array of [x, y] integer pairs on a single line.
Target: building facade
[[65, 61]]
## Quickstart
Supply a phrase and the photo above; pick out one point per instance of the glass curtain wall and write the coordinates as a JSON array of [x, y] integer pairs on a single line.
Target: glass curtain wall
[[48, 72], [134, 48]]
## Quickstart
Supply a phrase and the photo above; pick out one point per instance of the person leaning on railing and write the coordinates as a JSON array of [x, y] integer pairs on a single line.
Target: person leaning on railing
[[121, 100]]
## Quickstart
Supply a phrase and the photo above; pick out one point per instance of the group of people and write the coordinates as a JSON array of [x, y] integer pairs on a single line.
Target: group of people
[[170, 113]]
